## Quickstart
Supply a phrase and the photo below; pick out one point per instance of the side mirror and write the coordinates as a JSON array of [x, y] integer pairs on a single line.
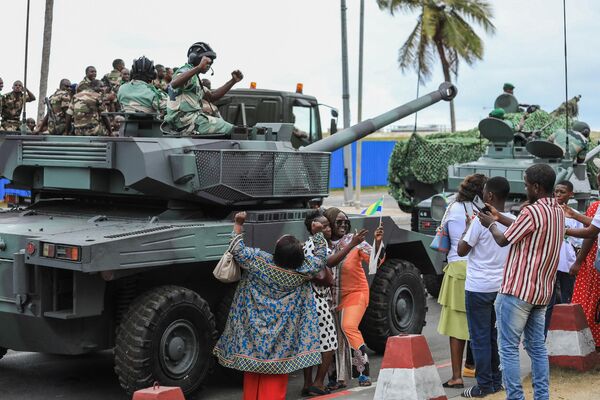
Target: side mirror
[[334, 113], [333, 126]]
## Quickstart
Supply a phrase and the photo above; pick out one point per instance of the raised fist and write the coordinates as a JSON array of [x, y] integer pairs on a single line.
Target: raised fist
[[240, 218], [237, 75]]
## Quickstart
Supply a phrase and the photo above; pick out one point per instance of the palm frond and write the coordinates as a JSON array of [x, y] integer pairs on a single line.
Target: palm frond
[[399, 5], [477, 11]]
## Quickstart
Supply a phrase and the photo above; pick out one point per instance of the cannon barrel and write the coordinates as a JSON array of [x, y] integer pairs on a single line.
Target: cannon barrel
[[446, 91]]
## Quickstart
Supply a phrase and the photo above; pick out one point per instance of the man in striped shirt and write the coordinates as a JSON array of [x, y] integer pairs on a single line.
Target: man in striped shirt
[[529, 275]]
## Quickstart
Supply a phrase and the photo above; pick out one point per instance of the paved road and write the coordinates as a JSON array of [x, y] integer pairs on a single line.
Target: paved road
[[35, 376]]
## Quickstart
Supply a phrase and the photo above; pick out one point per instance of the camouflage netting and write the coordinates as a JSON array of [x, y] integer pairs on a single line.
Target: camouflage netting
[[426, 159]]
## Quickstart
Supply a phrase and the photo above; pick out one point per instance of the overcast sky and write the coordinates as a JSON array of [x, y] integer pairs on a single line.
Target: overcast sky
[[278, 43]]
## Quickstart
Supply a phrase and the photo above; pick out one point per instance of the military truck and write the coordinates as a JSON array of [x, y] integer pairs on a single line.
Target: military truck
[[118, 246], [507, 154]]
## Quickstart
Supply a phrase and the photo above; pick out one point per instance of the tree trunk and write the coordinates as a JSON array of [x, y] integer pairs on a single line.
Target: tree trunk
[[447, 78], [45, 59]]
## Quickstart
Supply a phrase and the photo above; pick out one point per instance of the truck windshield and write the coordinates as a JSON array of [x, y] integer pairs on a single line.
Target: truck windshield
[[306, 120]]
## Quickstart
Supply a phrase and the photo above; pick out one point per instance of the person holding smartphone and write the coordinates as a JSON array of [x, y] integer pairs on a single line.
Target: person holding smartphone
[[485, 267]]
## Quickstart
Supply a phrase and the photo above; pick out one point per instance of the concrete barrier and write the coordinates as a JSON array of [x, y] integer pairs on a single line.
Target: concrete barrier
[[408, 372], [570, 342], [157, 392]]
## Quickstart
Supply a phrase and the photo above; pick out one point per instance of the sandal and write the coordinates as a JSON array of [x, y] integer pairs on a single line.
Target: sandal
[[474, 392], [314, 391], [364, 380], [333, 385], [453, 385]]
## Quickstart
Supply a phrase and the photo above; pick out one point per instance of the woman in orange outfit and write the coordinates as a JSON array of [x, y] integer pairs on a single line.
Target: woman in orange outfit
[[351, 297]]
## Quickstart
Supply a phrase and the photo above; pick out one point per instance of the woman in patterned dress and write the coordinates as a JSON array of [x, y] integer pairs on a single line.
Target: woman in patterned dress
[[587, 283], [324, 301], [352, 297], [272, 328]]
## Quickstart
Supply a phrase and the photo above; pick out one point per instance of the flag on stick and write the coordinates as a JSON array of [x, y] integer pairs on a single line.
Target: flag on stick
[[374, 208]]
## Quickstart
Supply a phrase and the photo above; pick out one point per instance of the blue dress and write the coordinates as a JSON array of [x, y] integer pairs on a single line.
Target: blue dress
[[272, 327]]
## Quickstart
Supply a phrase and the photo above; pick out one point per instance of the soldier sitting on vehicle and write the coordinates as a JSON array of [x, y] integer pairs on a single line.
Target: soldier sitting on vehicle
[[12, 106], [57, 105], [578, 140], [159, 82], [184, 106], [85, 111], [140, 95]]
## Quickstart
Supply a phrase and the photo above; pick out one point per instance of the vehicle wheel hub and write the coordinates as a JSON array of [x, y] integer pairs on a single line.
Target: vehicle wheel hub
[[403, 308], [178, 348]]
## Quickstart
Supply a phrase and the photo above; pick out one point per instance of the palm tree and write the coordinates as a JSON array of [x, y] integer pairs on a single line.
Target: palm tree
[[442, 31], [45, 58]]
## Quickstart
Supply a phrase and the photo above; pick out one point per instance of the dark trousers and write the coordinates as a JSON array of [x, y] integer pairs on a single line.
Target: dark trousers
[[481, 318], [566, 282]]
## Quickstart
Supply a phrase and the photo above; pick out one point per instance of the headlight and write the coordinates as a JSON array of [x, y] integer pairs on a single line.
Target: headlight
[[438, 207]]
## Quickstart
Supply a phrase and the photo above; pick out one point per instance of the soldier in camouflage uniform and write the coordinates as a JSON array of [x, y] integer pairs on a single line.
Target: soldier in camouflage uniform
[[84, 111], [113, 78], [12, 106], [140, 95], [159, 82], [55, 119], [208, 108], [184, 107], [1, 87], [125, 76]]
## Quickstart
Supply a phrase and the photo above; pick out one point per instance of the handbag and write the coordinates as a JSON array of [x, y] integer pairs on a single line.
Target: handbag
[[441, 240], [227, 270]]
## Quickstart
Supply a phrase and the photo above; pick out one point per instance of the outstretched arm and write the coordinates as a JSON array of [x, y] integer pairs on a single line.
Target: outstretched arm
[[585, 249], [589, 232], [182, 79], [216, 94]]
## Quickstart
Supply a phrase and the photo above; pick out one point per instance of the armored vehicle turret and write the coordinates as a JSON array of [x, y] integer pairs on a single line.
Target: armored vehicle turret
[[118, 246], [507, 154]]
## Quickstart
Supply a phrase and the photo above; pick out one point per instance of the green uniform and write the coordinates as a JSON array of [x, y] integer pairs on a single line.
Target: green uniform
[[139, 96], [113, 78], [160, 84], [12, 107], [85, 109], [578, 144], [209, 108], [184, 109], [59, 103]]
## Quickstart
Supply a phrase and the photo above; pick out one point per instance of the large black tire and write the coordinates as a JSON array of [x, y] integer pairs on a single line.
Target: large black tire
[[3, 352], [433, 284], [167, 335], [397, 304]]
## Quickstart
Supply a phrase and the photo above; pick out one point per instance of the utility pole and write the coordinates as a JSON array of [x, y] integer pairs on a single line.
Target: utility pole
[[23, 127], [348, 195], [45, 58], [359, 114]]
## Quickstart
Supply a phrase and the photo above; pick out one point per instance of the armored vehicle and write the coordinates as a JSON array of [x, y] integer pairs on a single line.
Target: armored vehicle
[[507, 154], [118, 246]]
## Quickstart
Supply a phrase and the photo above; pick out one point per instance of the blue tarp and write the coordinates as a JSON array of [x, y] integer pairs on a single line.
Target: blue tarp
[[375, 160]]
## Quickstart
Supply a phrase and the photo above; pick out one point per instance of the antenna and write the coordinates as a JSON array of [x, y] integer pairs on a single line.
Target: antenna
[[567, 150], [24, 122]]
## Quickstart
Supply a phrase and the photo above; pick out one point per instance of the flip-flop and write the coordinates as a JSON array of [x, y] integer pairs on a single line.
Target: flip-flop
[[332, 385], [453, 386], [315, 391]]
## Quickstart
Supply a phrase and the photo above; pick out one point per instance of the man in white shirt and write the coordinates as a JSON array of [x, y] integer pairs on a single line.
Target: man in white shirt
[[485, 270]]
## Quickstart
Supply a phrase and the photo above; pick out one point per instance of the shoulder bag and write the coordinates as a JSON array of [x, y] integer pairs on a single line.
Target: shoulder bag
[[227, 270]]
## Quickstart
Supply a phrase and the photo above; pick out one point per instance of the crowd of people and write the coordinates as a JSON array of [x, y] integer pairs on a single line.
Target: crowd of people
[[93, 107], [300, 308], [506, 273]]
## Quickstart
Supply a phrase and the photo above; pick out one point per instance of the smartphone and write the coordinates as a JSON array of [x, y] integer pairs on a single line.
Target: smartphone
[[480, 205]]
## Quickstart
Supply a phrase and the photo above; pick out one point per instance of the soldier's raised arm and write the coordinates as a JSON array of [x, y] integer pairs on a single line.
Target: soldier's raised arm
[[181, 79]]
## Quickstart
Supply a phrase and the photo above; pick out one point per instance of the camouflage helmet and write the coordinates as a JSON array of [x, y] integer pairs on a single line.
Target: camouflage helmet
[[199, 50], [581, 127], [143, 69]]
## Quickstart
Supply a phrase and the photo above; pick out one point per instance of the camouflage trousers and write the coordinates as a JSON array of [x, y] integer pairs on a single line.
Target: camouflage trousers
[[11, 124], [90, 130], [58, 129], [197, 123]]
